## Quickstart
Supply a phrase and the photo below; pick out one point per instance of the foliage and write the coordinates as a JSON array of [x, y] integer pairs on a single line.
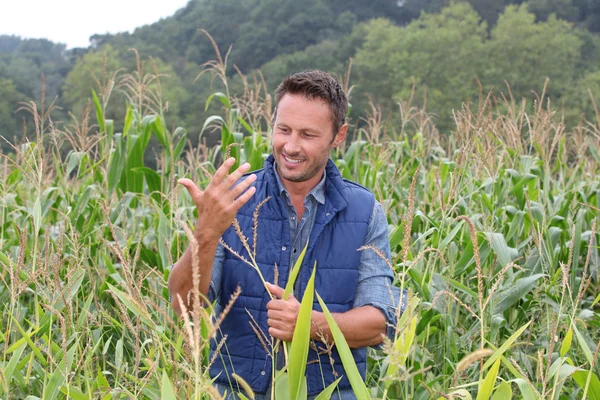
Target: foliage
[[493, 231]]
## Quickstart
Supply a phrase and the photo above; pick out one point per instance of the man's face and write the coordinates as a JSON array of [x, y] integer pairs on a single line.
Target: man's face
[[303, 138]]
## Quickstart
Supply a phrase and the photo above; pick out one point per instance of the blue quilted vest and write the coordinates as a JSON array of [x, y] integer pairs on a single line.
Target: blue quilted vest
[[340, 229]]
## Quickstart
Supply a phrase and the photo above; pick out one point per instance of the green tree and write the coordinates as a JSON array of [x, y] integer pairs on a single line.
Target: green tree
[[524, 53], [563, 9], [93, 68], [442, 52], [10, 126]]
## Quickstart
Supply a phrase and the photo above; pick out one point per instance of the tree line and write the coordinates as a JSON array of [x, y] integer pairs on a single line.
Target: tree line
[[440, 53]]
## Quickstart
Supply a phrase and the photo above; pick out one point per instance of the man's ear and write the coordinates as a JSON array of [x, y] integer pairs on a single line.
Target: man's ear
[[340, 137]]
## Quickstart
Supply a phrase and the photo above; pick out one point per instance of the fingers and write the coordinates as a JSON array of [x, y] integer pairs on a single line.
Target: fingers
[[278, 324], [276, 305], [243, 198], [242, 186], [236, 175], [276, 290], [281, 334], [222, 171], [191, 188]]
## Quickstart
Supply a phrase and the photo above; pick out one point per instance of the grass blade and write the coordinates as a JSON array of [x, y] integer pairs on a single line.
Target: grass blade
[[356, 381], [289, 286], [301, 340], [485, 390]]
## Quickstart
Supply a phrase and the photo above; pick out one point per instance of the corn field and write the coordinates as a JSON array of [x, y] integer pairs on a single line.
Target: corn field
[[493, 230]]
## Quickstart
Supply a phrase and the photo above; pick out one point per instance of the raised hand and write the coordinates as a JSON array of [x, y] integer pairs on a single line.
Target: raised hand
[[218, 204]]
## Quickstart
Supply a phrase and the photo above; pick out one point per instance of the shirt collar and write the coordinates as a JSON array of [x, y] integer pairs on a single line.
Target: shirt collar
[[318, 192]]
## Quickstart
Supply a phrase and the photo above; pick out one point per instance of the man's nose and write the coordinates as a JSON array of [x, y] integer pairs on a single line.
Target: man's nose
[[292, 145]]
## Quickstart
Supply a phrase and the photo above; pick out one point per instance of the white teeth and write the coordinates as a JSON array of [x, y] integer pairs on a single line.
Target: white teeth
[[291, 160]]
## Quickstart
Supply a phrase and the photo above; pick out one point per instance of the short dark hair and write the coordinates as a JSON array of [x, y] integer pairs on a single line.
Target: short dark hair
[[317, 84]]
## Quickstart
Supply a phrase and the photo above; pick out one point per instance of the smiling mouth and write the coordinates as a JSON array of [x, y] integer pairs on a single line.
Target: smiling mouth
[[292, 160]]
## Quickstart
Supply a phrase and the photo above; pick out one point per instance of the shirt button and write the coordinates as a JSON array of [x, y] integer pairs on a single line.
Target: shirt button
[[283, 248], [293, 218], [262, 373], [295, 250], [327, 215]]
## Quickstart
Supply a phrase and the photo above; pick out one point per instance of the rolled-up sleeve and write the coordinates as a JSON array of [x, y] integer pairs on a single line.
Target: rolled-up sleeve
[[215, 283], [375, 277]]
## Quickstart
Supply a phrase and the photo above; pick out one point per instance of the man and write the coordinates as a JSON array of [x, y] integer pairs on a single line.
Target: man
[[310, 203]]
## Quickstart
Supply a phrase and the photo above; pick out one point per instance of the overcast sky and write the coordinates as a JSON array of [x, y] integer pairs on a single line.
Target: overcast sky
[[73, 21]]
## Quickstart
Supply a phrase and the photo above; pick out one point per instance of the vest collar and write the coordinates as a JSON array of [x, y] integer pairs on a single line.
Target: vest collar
[[335, 192]]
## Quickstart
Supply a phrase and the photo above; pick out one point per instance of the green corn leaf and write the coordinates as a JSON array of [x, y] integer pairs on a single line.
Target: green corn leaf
[[99, 112], [526, 390], [508, 296], [37, 215], [10, 367], [486, 387], [160, 132], [128, 301], [289, 286], [503, 392], [222, 98], [73, 393], [301, 340], [402, 346], [328, 392], [59, 376], [356, 381], [167, 392], [282, 390], [505, 345], [36, 351], [450, 236], [596, 301], [505, 254], [583, 344], [581, 378], [116, 164], [566, 344]]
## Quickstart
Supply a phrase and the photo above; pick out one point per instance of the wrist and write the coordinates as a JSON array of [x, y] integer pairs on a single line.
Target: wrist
[[205, 238], [318, 326]]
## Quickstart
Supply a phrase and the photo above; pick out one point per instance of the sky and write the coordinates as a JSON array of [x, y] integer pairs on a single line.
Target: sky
[[72, 22]]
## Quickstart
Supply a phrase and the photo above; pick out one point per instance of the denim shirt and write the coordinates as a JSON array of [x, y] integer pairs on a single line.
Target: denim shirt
[[375, 277]]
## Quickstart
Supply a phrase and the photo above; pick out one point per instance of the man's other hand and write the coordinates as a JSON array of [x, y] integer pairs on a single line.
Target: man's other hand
[[282, 314]]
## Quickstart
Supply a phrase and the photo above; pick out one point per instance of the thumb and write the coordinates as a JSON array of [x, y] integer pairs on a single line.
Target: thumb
[[275, 290], [191, 188]]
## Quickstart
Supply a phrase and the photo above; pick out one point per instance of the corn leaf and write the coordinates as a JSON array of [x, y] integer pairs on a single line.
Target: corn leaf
[[566, 344], [59, 376], [505, 345], [581, 377], [289, 286], [507, 297], [525, 388], [582, 343], [128, 301], [402, 347], [99, 112], [301, 340], [486, 387], [328, 392], [503, 392], [167, 392], [356, 380]]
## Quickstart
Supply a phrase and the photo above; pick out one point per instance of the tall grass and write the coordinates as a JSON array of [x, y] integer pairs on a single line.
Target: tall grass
[[493, 230]]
